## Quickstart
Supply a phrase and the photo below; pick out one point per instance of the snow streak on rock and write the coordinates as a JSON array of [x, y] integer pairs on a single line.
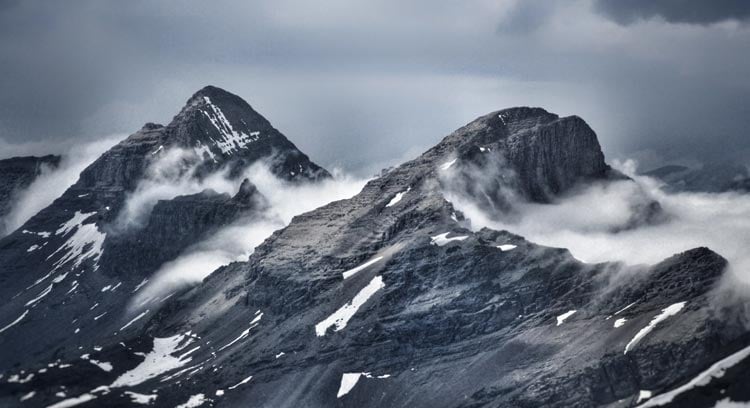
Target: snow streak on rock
[[14, 322], [665, 313], [245, 333], [397, 198], [341, 317], [158, 361], [232, 140], [353, 271], [194, 401], [86, 241], [561, 319], [442, 239], [717, 370]]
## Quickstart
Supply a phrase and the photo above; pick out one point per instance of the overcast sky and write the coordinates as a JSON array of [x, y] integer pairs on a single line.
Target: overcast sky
[[363, 84]]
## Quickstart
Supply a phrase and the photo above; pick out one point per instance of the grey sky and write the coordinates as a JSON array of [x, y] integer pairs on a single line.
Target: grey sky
[[364, 84]]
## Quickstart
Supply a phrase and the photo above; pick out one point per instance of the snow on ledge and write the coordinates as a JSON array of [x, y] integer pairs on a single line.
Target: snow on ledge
[[194, 401], [717, 370], [561, 319], [665, 313], [349, 380], [341, 317], [446, 166], [397, 198], [353, 271], [159, 360], [442, 239]]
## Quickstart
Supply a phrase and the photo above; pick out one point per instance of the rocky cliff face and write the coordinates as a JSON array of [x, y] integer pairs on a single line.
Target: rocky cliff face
[[388, 299], [69, 272], [16, 174], [522, 154]]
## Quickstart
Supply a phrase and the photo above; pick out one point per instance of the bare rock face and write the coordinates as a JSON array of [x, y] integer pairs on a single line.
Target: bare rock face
[[525, 154], [16, 174], [389, 299]]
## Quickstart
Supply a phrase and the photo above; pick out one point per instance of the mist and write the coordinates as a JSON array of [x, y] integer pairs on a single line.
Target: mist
[[53, 182], [588, 222], [237, 241]]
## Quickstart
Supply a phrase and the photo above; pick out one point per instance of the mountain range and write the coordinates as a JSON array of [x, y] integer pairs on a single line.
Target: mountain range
[[389, 298]]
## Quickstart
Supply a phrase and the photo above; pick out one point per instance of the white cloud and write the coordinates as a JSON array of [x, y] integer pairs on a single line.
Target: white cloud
[[237, 241], [53, 182], [585, 223]]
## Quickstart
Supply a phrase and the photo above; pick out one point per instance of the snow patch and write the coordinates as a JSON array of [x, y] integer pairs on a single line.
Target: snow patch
[[643, 395], [245, 381], [341, 317], [157, 361], [717, 370], [135, 319], [442, 239], [397, 198], [245, 333], [232, 140], [665, 313], [28, 396], [71, 402], [84, 236], [507, 247], [349, 380], [561, 319], [620, 322], [194, 401], [625, 308], [140, 285], [446, 166], [353, 271], [14, 322], [41, 295], [102, 364], [143, 399]]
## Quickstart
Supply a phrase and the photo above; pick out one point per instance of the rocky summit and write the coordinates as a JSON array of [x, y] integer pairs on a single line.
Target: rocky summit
[[387, 299], [78, 250]]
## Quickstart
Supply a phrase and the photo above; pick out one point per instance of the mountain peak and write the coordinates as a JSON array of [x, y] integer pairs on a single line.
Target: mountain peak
[[210, 90], [224, 109]]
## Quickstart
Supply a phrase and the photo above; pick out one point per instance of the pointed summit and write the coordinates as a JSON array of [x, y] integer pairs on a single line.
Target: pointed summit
[[222, 128]]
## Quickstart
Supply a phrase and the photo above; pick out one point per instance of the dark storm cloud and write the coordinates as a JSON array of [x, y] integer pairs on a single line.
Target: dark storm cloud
[[675, 11], [367, 84]]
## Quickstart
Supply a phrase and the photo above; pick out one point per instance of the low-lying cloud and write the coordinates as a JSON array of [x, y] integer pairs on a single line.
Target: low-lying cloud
[[52, 183], [234, 242], [587, 223]]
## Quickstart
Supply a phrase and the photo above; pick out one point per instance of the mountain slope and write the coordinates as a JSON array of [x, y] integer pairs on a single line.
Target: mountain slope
[[389, 299], [68, 273]]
